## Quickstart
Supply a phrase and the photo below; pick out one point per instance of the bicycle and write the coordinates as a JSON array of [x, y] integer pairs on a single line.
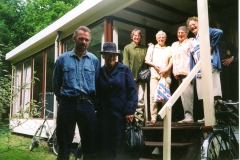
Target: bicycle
[[51, 136], [221, 142]]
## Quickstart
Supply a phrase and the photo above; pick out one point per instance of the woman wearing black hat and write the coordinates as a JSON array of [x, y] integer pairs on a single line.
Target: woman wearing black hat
[[117, 102]]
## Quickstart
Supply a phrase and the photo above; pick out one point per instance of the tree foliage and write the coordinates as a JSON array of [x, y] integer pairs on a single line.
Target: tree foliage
[[21, 19]]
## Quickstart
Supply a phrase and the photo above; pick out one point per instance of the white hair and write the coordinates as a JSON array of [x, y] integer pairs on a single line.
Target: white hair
[[161, 33]]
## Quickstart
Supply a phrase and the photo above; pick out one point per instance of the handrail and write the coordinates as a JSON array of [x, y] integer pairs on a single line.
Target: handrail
[[166, 112], [179, 90]]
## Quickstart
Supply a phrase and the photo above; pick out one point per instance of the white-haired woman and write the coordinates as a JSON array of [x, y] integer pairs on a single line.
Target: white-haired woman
[[160, 59]]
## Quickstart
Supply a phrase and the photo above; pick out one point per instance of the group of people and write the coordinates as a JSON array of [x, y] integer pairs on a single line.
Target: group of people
[[101, 100]]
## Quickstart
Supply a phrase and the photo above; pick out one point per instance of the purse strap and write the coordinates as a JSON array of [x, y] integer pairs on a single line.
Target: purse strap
[[153, 52], [146, 66]]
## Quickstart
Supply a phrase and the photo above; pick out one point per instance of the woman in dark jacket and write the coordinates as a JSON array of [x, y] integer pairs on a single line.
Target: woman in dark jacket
[[117, 102]]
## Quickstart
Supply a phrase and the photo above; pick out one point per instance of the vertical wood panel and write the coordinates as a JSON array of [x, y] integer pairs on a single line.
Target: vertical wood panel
[[108, 33]]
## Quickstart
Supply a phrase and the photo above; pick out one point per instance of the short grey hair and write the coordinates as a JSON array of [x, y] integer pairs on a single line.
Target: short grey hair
[[161, 33], [82, 28], [185, 28]]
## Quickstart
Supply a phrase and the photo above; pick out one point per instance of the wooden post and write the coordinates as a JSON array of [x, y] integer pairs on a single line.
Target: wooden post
[[206, 67], [167, 133]]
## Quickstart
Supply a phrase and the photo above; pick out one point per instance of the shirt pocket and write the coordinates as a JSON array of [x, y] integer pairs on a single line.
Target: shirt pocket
[[89, 74], [69, 72]]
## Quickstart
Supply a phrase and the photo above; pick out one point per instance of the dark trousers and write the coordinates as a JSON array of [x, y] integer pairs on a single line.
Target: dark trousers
[[112, 145], [229, 82], [82, 112], [198, 112]]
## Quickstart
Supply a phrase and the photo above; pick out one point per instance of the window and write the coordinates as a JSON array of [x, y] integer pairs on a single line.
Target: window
[[26, 81], [96, 41], [49, 97], [37, 86], [16, 90], [68, 45]]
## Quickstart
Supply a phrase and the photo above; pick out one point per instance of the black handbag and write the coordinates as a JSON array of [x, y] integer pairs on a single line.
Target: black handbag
[[144, 75], [133, 136]]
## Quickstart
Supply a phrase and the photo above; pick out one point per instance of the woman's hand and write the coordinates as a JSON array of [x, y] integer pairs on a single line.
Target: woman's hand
[[129, 118], [149, 44], [163, 72], [157, 68], [176, 77]]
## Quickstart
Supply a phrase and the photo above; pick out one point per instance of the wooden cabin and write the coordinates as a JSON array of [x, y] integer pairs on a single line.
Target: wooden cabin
[[109, 20]]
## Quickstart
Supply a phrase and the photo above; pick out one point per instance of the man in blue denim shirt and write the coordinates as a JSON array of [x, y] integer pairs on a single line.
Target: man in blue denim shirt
[[74, 82]]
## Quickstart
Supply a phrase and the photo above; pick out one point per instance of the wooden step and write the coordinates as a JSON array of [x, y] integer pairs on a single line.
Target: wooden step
[[160, 144], [174, 126], [145, 159]]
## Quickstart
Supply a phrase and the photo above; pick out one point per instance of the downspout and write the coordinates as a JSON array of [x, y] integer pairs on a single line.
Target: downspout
[[55, 58]]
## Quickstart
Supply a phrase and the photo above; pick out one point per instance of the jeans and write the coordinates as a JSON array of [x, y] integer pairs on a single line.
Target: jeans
[[82, 112]]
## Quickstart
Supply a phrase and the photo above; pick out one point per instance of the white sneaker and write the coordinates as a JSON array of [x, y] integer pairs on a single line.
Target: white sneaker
[[186, 120], [201, 121]]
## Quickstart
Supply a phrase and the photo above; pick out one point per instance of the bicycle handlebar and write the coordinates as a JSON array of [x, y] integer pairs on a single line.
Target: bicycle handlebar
[[227, 112]]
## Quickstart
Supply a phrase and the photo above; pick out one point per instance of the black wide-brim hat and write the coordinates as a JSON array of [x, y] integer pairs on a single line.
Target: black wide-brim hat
[[109, 47]]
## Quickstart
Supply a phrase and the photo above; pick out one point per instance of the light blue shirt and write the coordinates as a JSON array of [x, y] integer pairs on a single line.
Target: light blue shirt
[[215, 35], [76, 76]]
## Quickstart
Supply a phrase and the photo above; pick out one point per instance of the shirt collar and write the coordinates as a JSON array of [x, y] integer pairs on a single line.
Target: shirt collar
[[157, 46], [134, 45], [185, 41], [72, 53]]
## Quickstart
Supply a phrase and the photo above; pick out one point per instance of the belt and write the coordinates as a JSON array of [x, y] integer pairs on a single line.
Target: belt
[[84, 97], [77, 97]]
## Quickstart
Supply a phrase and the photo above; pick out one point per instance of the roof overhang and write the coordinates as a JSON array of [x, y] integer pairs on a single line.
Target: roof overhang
[[85, 13]]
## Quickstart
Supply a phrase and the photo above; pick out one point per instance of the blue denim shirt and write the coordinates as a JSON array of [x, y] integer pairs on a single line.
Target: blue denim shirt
[[215, 35], [76, 76]]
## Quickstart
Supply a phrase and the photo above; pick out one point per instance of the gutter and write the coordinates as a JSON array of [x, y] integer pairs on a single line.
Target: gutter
[[57, 40]]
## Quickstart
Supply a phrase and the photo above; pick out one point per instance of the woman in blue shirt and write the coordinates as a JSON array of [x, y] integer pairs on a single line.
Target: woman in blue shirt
[[215, 35]]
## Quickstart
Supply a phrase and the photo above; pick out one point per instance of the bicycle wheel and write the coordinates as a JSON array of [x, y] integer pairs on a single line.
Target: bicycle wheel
[[216, 146], [34, 141], [55, 143]]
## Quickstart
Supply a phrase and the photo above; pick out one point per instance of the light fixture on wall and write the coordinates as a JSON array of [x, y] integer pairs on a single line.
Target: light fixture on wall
[[145, 22]]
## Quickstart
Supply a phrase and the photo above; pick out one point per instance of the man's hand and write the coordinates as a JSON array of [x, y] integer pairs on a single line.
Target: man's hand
[[129, 118], [228, 61]]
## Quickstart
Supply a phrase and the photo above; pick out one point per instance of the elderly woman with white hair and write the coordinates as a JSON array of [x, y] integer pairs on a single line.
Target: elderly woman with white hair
[[160, 59]]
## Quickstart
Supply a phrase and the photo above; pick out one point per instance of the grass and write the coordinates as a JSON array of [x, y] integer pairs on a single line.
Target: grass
[[16, 147]]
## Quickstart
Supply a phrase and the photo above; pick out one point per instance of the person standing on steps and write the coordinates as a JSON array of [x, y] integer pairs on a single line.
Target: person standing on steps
[[160, 59], [215, 35], [229, 74], [74, 81], [180, 51]]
